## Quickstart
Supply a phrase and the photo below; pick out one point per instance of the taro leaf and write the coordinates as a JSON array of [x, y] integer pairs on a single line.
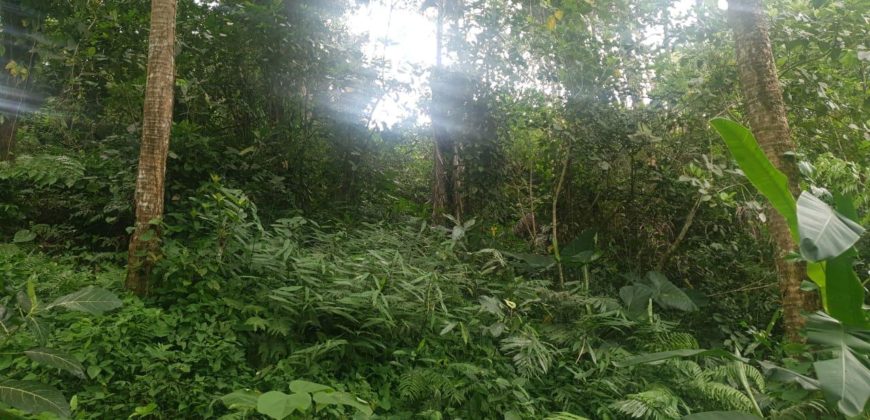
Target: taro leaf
[[309, 387], [585, 242], [721, 415], [824, 233], [635, 297], [758, 169], [279, 405], [34, 397], [533, 260], [581, 258], [58, 359], [241, 400], [673, 354], [669, 295], [92, 300], [846, 381], [341, 398], [23, 235]]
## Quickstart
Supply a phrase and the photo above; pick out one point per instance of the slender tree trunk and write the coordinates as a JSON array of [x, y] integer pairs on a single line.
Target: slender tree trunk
[[156, 125], [7, 137], [441, 197], [765, 110], [11, 97]]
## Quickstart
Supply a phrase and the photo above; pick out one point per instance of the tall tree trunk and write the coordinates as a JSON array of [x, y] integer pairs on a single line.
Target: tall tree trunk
[[441, 197], [156, 126], [11, 96], [767, 117]]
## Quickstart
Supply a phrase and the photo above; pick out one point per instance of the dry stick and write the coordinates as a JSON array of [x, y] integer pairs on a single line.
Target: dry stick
[[555, 220], [680, 237], [534, 232]]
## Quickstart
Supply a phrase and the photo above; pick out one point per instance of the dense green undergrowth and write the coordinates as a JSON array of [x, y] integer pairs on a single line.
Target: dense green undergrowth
[[412, 320]]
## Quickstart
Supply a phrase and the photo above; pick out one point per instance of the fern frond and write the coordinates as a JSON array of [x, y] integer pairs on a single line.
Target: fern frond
[[804, 410], [658, 403], [531, 356], [565, 416], [725, 395]]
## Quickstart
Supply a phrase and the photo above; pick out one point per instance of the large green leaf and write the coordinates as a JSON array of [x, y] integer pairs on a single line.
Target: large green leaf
[[279, 405], [299, 386], [758, 169], [667, 294], [824, 233], [58, 359], [673, 354], [241, 400], [533, 260], [92, 300], [34, 397], [846, 381], [781, 374], [584, 242], [341, 398], [844, 295], [721, 415], [636, 297]]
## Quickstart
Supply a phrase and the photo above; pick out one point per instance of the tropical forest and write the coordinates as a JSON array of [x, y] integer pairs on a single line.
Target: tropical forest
[[434, 209]]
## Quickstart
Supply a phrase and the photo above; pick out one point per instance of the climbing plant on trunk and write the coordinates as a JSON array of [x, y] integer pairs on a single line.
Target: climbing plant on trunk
[[156, 125]]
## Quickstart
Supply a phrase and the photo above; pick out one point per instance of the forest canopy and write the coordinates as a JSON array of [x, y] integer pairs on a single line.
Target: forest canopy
[[437, 209]]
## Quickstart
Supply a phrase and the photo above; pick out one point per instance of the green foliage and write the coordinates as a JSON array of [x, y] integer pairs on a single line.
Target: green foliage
[[306, 395], [823, 233], [24, 320], [336, 276]]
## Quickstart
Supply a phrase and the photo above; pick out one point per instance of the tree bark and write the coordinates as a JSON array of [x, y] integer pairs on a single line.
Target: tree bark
[[766, 113], [156, 126], [441, 180], [12, 40]]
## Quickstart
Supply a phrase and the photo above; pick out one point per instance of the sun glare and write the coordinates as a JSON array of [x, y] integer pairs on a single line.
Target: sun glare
[[405, 40]]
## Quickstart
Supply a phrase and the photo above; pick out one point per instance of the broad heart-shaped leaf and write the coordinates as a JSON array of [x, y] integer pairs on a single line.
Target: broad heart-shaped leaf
[[758, 169], [323, 399], [300, 386], [721, 415], [636, 297], [846, 381], [824, 233], [279, 405], [673, 354], [58, 359], [584, 242], [533, 260], [241, 400], [34, 397], [667, 294], [92, 300]]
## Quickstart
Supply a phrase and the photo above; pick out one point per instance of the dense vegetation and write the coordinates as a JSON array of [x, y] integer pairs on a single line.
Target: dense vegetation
[[569, 224]]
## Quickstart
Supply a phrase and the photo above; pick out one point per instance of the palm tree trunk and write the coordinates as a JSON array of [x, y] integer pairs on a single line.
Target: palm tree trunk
[[766, 113], [156, 125]]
